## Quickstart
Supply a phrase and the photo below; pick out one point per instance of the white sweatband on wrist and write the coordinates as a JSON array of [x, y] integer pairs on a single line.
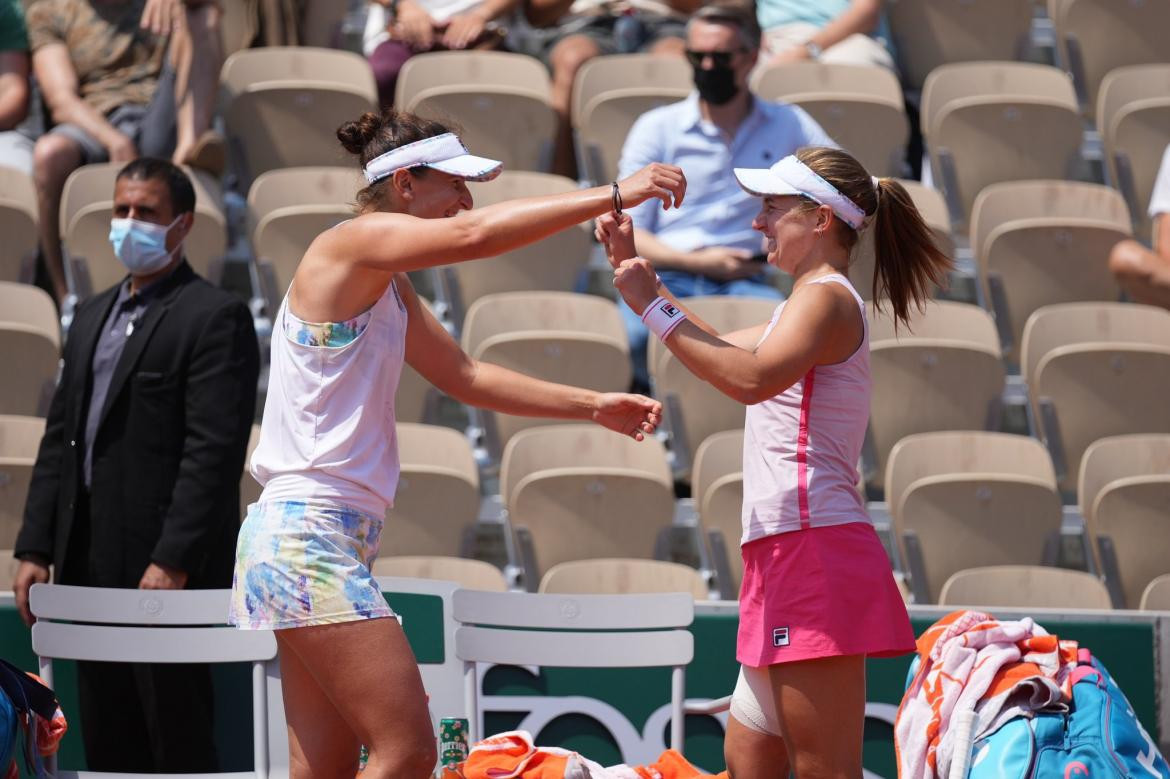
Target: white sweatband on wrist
[[662, 317]]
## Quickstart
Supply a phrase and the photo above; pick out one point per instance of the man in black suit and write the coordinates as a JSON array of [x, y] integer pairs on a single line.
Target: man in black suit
[[136, 482]]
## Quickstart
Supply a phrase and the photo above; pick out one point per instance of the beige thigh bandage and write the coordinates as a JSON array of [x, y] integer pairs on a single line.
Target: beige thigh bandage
[[752, 703]]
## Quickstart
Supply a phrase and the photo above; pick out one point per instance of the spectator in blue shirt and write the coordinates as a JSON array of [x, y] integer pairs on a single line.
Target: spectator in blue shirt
[[850, 32], [707, 246]]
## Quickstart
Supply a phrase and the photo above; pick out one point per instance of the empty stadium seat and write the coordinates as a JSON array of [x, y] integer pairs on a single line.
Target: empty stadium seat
[[717, 491], [468, 574], [930, 33], [1133, 117], [1095, 36], [499, 100], [557, 336], [942, 372], [964, 499], [438, 497], [1157, 595], [1025, 586], [986, 122], [1038, 243], [87, 205], [692, 408], [282, 105], [553, 263], [20, 440], [610, 93], [860, 107], [622, 576], [18, 225], [578, 492], [1095, 370], [1123, 490], [30, 344]]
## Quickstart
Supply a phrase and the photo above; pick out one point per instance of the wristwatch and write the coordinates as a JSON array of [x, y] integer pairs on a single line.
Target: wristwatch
[[814, 51]]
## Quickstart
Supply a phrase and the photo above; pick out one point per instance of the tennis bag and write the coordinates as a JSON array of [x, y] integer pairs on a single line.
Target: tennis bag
[[1098, 737], [22, 699]]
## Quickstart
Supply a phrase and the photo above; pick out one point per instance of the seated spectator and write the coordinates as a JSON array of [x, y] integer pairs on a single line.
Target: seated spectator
[[707, 246], [15, 146], [565, 34], [120, 78], [396, 30], [838, 31], [1142, 273]]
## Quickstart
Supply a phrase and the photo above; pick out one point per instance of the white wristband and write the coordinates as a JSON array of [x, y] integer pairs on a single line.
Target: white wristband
[[662, 317]]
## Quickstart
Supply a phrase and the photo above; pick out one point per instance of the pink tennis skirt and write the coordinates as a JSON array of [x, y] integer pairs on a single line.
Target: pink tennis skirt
[[821, 592]]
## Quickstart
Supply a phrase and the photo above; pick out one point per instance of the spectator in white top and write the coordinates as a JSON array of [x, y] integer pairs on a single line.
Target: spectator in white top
[[396, 30], [850, 32], [1143, 273], [565, 34]]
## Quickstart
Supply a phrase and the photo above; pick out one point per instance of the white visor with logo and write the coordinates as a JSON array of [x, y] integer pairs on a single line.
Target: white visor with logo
[[444, 153]]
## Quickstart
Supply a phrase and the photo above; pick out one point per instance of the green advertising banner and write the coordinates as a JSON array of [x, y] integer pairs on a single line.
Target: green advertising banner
[[621, 715]]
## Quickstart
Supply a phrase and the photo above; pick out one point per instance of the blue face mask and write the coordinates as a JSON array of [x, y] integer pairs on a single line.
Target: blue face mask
[[141, 246]]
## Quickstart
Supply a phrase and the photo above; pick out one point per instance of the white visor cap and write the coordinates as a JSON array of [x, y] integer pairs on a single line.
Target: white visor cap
[[790, 176], [444, 153]]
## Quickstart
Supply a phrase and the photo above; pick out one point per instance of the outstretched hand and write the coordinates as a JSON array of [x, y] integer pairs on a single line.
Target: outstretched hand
[[616, 233], [632, 415], [656, 180]]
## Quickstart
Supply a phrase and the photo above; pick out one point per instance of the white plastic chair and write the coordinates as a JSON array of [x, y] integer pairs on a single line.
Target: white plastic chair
[[156, 626], [574, 631]]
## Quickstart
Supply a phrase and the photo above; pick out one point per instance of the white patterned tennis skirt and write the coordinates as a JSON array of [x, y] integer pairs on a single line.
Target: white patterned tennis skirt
[[301, 563]]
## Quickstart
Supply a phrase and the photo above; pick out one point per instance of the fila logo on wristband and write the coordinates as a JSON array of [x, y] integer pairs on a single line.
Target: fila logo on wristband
[[662, 317]]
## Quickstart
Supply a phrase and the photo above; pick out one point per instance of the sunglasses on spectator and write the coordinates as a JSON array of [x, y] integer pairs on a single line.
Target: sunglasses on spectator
[[721, 59]]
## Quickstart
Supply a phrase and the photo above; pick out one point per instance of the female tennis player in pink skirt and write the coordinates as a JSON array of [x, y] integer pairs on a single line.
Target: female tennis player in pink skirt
[[818, 596]]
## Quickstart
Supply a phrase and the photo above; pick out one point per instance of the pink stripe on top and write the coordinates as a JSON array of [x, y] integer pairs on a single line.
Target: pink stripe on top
[[800, 449]]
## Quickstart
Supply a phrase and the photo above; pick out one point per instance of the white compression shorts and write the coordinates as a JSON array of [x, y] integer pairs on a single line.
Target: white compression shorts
[[752, 703]]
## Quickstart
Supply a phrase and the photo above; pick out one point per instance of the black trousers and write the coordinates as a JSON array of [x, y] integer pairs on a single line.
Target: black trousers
[[140, 717]]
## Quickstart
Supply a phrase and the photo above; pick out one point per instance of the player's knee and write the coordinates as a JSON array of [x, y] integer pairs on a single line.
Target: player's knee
[[410, 760], [54, 156]]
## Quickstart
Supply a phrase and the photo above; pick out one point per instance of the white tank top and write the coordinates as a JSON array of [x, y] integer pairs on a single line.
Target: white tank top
[[328, 429], [801, 447]]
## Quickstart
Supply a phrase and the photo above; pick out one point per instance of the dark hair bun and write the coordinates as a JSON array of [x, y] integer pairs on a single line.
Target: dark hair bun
[[355, 136]]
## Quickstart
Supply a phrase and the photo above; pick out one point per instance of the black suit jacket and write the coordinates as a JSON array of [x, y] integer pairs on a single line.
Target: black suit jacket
[[169, 448]]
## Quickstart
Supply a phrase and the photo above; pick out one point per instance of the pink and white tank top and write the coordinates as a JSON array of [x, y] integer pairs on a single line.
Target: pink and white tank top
[[328, 429], [801, 447]]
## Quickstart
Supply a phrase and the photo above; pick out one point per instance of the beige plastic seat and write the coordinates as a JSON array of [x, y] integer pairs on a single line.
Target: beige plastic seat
[[987, 122], [1157, 595], [717, 490], [1025, 586], [860, 107], [550, 264], [1038, 243], [275, 63], [1095, 370], [693, 408], [622, 576], [1133, 117], [30, 345], [467, 573], [1093, 37], [20, 439], [1121, 475], [18, 225], [605, 121], [438, 493], [8, 566], [250, 489], [933, 207], [335, 185], [629, 71], [499, 100], [579, 492], [87, 206], [943, 372], [964, 500], [930, 33], [557, 336]]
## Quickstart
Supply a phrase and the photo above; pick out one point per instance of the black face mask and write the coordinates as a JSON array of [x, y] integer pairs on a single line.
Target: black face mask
[[717, 85]]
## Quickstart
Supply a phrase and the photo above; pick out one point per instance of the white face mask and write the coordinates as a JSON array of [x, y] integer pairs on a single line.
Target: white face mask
[[142, 246]]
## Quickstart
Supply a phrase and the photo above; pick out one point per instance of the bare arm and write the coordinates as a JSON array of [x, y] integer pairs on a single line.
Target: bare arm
[[1162, 236], [433, 353], [58, 82], [544, 13], [13, 88], [860, 17]]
